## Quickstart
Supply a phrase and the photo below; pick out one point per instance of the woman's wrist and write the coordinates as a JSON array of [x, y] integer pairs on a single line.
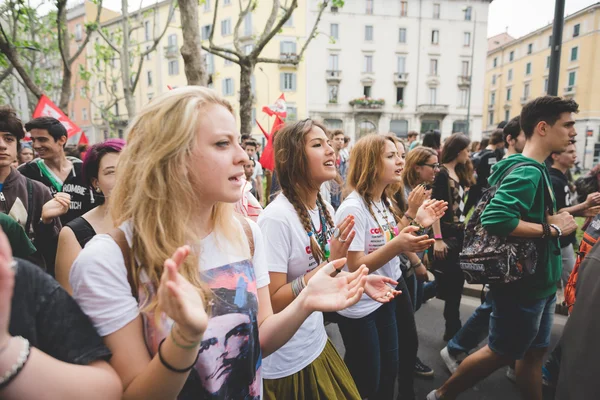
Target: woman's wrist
[[186, 335]]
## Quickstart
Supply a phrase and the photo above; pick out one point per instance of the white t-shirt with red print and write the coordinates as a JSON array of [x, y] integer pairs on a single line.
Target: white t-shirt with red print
[[288, 251], [368, 239]]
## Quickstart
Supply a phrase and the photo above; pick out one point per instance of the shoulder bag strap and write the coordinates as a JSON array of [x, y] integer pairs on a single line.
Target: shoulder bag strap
[[248, 232], [29, 207], [119, 237]]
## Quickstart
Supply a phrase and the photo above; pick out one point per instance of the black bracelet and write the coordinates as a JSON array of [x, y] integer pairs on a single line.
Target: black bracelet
[[170, 367], [546, 230]]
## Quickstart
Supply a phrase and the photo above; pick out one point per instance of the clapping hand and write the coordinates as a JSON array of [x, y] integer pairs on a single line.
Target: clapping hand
[[430, 211], [378, 288], [416, 199], [56, 207], [407, 242], [342, 238]]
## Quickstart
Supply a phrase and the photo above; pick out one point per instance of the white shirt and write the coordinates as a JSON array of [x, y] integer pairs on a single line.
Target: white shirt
[[368, 238], [258, 170], [288, 252]]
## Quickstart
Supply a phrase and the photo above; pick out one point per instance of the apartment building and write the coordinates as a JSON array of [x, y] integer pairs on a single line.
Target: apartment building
[[416, 61], [516, 71]]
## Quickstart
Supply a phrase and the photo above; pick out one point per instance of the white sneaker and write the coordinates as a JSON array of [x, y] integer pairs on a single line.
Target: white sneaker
[[432, 396], [450, 361], [511, 374]]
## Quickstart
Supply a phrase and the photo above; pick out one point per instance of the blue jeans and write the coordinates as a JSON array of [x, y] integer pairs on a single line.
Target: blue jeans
[[474, 331], [415, 289], [408, 342], [372, 351]]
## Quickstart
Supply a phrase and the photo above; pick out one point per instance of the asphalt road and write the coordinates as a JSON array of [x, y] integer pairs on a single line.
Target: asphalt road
[[430, 326]]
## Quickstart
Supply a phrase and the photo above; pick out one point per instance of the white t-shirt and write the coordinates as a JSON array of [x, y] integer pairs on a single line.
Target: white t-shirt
[[288, 251], [258, 170], [368, 238]]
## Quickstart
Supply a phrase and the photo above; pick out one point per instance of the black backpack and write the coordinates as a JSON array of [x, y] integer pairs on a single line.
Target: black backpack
[[488, 258]]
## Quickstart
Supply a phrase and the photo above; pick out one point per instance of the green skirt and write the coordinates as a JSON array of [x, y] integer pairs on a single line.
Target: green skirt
[[325, 378]]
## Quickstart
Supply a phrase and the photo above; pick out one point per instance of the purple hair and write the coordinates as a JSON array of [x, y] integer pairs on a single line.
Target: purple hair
[[91, 162]]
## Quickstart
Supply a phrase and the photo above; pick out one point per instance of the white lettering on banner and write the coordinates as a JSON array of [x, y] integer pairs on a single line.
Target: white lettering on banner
[[71, 188], [76, 205]]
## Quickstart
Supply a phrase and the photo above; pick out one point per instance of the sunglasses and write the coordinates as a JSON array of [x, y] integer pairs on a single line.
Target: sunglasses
[[434, 166]]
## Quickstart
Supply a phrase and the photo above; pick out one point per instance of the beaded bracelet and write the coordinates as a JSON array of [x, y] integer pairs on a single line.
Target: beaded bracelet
[[298, 285], [17, 367], [192, 345], [169, 366]]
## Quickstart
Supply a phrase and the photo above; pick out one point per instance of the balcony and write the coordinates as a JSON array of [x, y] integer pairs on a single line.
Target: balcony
[[290, 60], [524, 100], [491, 106], [569, 90], [508, 105], [401, 78], [333, 76], [171, 51], [437, 109], [464, 81]]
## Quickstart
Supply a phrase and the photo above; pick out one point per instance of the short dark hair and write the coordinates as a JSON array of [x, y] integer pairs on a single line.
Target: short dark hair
[[484, 143], [432, 140], [250, 142], [501, 125], [54, 127], [412, 133], [9, 122], [512, 129], [347, 139], [337, 132], [91, 163], [547, 109], [497, 136]]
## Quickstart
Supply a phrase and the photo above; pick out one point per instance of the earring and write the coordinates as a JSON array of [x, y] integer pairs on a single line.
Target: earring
[[98, 190]]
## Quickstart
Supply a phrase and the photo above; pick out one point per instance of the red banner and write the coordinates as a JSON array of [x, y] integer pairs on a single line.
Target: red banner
[[46, 108]]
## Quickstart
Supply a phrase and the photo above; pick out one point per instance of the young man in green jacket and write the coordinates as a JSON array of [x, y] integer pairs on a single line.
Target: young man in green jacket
[[523, 311]]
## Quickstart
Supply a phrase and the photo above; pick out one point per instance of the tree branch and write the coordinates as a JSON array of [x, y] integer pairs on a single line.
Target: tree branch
[[6, 73], [270, 21], [236, 31], [109, 42], [88, 34], [324, 5], [266, 38], [12, 56], [222, 55], [61, 25]]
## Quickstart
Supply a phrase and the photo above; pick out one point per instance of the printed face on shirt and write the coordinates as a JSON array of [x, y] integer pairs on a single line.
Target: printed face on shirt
[[320, 156], [560, 135], [8, 149], [106, 173], [45, 145], [217, 163], [392, 164]]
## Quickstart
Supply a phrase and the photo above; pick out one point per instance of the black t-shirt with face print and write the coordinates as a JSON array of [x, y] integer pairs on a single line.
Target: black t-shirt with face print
[[44, 313], [562, 193]]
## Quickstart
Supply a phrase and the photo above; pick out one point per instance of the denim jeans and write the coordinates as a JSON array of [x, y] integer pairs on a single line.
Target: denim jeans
[[415, 289], [408, 342], [474, 331], [372, 351]]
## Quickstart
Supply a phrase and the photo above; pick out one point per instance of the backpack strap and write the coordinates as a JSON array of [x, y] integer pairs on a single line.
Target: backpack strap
[[29, 206], [548, 197], [119, 237], [247, 231]]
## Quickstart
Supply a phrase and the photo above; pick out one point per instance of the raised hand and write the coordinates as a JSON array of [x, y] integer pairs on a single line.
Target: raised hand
[[56, 207], [327, 293], [7, 283], [593, 199], [591, 212], [416, 199], [339, 246], [180, 300], [378, 288], [430, 211], [407, 242]]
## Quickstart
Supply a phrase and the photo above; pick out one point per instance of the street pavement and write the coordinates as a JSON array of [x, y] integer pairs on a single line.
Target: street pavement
[[430, 326]]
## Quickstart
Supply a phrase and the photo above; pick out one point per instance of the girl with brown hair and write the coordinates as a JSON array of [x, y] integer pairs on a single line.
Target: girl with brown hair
[[300, 236], [369, 329], [451, 184]]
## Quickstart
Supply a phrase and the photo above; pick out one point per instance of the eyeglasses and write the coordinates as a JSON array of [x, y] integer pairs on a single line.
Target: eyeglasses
[[434, 166]]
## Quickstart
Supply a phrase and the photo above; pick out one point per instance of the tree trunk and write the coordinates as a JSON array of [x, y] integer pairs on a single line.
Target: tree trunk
[[125, 63], [192, 44], [66, 89], [246, 96], [13, 57]]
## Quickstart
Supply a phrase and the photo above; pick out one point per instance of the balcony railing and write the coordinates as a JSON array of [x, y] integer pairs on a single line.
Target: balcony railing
[[171, 51], [464, 80], [432, 109], [524, 99], [333, 75], [491, 106], [570, 90], [400, 78]]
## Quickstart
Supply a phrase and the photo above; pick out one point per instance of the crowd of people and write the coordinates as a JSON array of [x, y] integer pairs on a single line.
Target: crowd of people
[[174, 265]]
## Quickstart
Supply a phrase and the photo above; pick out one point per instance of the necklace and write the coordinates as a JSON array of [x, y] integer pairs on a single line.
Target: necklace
[[322, 235], [389, 233]]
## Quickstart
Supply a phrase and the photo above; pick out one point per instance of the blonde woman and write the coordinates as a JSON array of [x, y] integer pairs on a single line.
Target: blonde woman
[[193, 321]]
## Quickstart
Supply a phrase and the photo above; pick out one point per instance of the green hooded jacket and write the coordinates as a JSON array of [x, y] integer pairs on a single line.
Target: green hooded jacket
[[520, 197]]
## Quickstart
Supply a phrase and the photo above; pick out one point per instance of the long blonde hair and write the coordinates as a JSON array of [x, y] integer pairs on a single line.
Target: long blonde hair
[[154, 192]]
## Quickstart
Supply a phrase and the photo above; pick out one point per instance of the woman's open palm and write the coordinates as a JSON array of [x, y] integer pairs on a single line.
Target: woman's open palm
[[430, 211]]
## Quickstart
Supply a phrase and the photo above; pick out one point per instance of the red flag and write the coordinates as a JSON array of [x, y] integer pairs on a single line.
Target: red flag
[[46, 108], [279, 110], [83, 139]]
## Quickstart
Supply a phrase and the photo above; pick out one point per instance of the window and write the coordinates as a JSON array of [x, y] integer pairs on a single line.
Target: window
[[429, 125], [468, 12], [528, 69], [399, 127], [366, 127], [550, 41], [511, 56], [467, 39], [491, 118], [459, 126], [334, 62], [82, 92], [288, 81], [226, 27], [435, 37], [367, 91], [369, 33], [228, 87], [248, 49], [402, 35], [290, 22], [206, 5], [548, 62], [495, 62], [332, 90], [78, 32], [464, 70], [99, 87], [292, 113], [206, 32], [493, 79], [574, 51], [506, 115], [526, 91], [530, 48], [369, 8], [510, 74], [248, 24], [576, 30], [464, 97], [227, 62], [492, 98], [334, 31], [572, 77], [432, 95], [368, 65], [174, 67], [403, 8], [147, 30], [436, 11], [399, 94], [172, 40], [226, 2], [433, 66], [148, 54], [401, 64], [546, 85], [287, 48], [508, 94], [84, 116], [149, 78], [209, 59], [334, 123]]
